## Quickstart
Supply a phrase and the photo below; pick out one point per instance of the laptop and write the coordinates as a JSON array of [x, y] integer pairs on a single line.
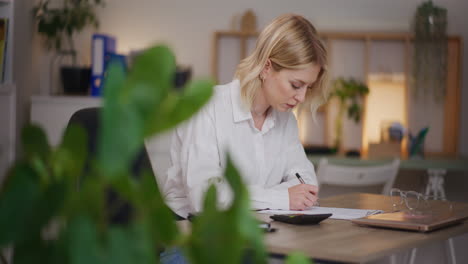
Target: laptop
[[405, 221]]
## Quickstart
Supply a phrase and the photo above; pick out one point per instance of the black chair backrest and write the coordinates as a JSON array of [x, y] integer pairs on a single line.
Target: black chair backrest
[[89, 119]]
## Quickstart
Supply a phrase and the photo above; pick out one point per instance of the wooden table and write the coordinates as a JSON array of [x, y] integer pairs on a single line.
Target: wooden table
[[343, 241]]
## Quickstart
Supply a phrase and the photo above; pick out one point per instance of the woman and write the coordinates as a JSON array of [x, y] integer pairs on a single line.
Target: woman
[[250, 118]]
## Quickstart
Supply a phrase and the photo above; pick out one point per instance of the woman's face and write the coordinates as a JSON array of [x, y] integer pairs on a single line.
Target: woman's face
[[285, 89]]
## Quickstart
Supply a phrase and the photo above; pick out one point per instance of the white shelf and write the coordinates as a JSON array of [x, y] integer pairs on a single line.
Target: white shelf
[[81, 100], [53, 112]]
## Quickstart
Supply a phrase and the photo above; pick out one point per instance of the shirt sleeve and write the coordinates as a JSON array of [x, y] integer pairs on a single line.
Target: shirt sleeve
[[297, 161], [201, 164], [277, 197], [273, 198]]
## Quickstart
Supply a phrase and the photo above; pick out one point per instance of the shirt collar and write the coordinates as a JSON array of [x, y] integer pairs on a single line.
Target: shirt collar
[[240, 111]]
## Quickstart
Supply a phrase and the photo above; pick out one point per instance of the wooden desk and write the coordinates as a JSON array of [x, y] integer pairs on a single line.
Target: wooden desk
[[343, 241]]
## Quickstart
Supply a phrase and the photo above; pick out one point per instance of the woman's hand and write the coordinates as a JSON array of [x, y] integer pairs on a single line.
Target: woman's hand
[[302, 196]]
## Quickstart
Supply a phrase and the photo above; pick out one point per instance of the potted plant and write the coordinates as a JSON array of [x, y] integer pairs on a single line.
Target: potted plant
[[349, 93], [430, 51], [40, 191], [59, 25]]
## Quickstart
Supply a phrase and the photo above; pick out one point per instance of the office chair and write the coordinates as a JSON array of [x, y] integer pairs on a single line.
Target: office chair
[[342, 179], [88, 118]]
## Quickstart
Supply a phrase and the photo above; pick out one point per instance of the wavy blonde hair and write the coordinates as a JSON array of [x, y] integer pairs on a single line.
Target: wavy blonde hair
[[290, 42]]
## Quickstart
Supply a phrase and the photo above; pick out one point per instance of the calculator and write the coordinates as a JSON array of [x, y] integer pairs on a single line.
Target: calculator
[[301, 219]]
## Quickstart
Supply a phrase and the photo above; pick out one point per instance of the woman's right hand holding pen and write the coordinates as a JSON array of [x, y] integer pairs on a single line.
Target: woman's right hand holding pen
[[302, 196]]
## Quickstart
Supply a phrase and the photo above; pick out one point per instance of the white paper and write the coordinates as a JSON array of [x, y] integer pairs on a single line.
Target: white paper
[[337, 213]]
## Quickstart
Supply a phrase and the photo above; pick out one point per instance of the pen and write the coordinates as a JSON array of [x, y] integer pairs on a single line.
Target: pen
[[303, 182], [300, 178]]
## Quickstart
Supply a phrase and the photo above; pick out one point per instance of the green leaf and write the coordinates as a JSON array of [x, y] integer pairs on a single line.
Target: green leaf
[[33, 251], [82, 240], [17, 202], [118, 245], [88, 200], [25, 206], [143, 104], [231, 233], [350, 90], [159, 214], [298, 258], [175, 109], [34, 141], [241, 213], [130, 245], [121, 129], [70, 157], [217, 229], [151, 78]]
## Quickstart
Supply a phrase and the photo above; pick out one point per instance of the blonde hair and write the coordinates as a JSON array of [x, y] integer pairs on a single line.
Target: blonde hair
[[290, 42]]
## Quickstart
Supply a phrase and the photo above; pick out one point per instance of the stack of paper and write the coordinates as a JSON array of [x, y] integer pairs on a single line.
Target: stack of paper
[[337, 213]]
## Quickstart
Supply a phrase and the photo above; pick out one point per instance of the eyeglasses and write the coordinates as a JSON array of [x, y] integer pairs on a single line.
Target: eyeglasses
[[417, 203]]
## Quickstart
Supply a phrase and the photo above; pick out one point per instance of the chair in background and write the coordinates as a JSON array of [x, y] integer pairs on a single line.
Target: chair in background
[[88, 118], [377, 179]]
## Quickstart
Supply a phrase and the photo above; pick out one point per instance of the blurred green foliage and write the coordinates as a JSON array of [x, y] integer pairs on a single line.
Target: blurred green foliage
[[430, 56], [61, 22], [349, 93], [48, 217]]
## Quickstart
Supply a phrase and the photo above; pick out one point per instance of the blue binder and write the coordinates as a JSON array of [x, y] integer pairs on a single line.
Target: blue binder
[[103, 48]]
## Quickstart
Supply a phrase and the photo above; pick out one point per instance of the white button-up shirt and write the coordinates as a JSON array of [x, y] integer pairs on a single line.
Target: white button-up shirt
[[267, 159]]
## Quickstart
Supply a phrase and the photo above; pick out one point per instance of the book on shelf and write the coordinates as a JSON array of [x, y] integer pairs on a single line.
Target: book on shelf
[[103, 48], [103, 53], [3, 46]]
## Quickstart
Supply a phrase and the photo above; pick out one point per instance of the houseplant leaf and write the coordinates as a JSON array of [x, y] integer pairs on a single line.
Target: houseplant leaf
[[71, 154], [157, 211], [129, 103], [34, 143], [178, 107], [33, 250], [120, 134], [297, 258], [17, 201], [215, 228], [242, 216], [26, 206], [143, 104], [130, 245], [82, 242], [232, 232]]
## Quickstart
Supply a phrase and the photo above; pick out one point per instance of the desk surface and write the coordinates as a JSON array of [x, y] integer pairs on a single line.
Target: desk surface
[[343, 241], [409, 164]]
